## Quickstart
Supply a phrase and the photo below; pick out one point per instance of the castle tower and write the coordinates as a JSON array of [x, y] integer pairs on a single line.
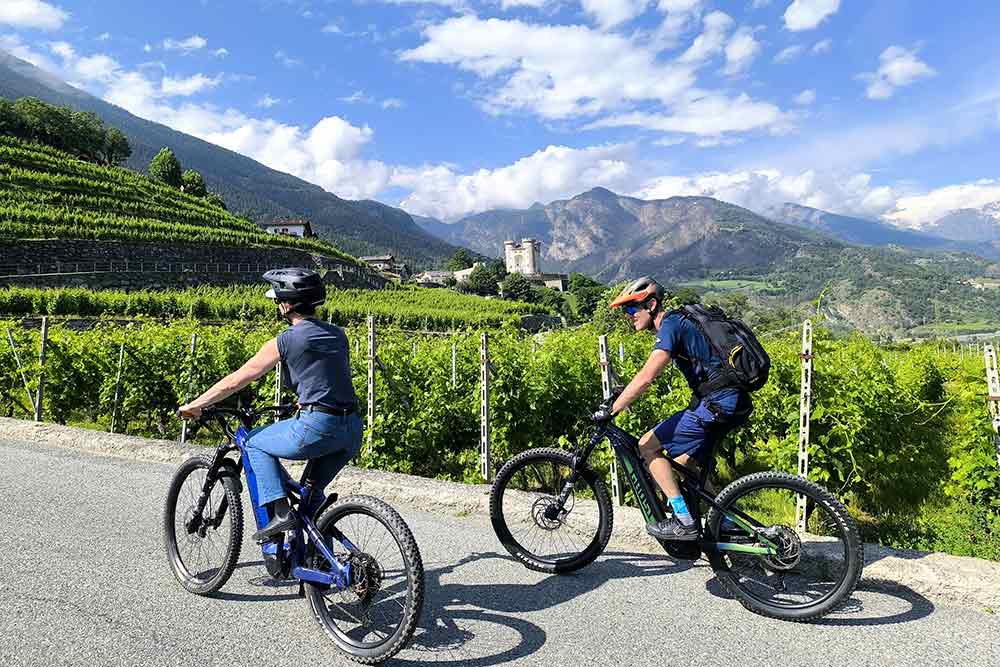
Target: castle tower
[[523, 257]]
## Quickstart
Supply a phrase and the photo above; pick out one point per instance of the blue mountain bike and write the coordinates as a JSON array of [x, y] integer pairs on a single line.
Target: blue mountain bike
[[355, 559]]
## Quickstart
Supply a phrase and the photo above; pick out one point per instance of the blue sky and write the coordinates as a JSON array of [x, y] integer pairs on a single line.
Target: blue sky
[[447, 107]]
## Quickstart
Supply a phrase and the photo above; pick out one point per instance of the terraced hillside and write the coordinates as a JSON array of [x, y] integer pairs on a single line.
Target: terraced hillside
[[45, 193]]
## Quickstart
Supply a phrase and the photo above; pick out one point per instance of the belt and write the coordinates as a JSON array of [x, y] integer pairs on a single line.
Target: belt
[[340, 412]]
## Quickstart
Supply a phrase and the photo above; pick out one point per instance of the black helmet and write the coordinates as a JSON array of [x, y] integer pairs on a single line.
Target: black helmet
[[296, 286]]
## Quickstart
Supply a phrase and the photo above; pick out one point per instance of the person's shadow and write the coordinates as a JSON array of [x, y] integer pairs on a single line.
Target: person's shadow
[[472, 624]]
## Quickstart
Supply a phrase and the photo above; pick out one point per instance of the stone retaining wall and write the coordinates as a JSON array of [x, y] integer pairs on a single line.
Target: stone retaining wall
[[132, 265]]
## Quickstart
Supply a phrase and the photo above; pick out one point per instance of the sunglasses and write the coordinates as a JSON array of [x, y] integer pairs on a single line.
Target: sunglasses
[[631, 309]]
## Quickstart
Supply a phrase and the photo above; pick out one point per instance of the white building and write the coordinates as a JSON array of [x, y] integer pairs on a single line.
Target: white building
[[463, 275], [300, 228], [523, 257]]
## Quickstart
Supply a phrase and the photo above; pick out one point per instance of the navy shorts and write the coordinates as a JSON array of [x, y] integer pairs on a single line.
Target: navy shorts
[[694, 432]]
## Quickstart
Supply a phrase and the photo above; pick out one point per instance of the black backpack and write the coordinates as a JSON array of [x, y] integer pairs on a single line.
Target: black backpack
[[745, 363]]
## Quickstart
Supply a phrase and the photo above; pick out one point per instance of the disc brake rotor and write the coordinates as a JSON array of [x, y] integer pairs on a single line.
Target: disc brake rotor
[[547, 514], [789, 548]]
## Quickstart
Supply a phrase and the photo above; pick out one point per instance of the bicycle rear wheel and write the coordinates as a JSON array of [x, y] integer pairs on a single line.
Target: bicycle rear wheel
[[532, 525], [810, 574], [202, 548], [374, 617]]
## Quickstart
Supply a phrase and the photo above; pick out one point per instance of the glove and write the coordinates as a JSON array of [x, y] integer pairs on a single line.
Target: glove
[[602, 415]]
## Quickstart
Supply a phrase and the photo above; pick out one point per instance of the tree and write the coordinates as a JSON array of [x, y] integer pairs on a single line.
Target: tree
[[462, 259], [216, 200], [10, 121], [193, 183], [580, 281], [517, 288], [87, 134], [166, 168], [484, 278], [116, 147], [42, 122]]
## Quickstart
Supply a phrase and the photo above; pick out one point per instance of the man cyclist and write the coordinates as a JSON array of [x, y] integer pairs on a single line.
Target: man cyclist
[[315, 363], [690, 435]]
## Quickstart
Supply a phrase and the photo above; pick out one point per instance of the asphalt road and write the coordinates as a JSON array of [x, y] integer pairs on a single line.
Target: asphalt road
[[84, 581]]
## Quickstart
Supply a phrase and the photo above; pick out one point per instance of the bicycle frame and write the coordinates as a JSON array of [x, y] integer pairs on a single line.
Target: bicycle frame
[[297, 542], [626, 449]]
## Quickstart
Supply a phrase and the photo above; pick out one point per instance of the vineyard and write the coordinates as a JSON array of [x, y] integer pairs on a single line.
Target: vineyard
[[45, 193], [408, 307], [902, 435]]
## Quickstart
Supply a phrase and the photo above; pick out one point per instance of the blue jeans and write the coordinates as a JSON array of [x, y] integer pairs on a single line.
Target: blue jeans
[[330, 441]]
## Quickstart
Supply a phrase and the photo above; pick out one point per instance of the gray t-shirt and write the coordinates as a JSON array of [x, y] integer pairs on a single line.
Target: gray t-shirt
[[316, 364]]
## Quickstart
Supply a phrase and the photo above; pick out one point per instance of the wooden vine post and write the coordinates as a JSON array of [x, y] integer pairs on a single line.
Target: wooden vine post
[[41, 369], [805, 403], [118, 386], [190, 383], [485, 468], [371, 378], [602, 351], [993, 394]]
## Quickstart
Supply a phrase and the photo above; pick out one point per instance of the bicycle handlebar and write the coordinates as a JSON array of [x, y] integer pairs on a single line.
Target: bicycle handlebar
[[247, 416]]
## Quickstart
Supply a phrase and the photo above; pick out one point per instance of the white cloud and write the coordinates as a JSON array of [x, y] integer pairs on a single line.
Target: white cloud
[[916, 210], [31, 14], [741, 51], [711, 40], [392, 103], [554, 71], [807, 14], [286, 60], [147, 48], [806, 97], [267, 102], [551, 173], [220, 53], [358, 97], [332, 28], [610, 13], [822, 46], [846, 193], [759, 4], [185, 46], [788, 54], [186, 87], [678, 14], [103, 37], [706, 114], [898, 67], [17, 48]]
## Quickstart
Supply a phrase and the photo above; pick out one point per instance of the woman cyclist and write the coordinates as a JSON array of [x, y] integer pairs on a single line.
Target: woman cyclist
[[316, 365]]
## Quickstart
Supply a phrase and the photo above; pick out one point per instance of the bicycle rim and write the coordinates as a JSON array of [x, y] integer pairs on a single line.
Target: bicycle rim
[[541, 529], [807, 570], [201, 555]]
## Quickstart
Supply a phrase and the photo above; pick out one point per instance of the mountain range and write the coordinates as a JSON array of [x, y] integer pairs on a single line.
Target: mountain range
[[248, 187]]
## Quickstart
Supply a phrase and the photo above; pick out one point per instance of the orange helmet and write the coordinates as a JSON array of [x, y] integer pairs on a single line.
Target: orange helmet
[[639, 292]]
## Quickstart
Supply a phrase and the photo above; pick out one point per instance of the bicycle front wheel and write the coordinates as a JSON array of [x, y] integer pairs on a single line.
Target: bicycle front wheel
[[806, 575], [374, 617], [202, 547], [542, 532]]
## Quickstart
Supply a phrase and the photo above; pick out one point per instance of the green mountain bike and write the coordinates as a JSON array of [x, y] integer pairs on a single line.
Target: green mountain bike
[[552, 512]]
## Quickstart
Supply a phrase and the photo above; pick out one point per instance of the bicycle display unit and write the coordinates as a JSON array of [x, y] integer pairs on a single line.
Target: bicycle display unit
[[552, 512], [355, 558]]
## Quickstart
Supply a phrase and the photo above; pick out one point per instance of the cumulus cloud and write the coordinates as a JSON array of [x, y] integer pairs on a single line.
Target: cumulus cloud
[[711, 40], [267, 102], [610, 13], [552, 173], [761, 190], [286, 60], [916, 210], [220, 53], [392, 103], [806, 97], [32, 14], [788, 54], [705, 114], [741, 51], [807, 14], [185, 46], [185, 87], [898, 67], [554, 71], [822, 46]]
